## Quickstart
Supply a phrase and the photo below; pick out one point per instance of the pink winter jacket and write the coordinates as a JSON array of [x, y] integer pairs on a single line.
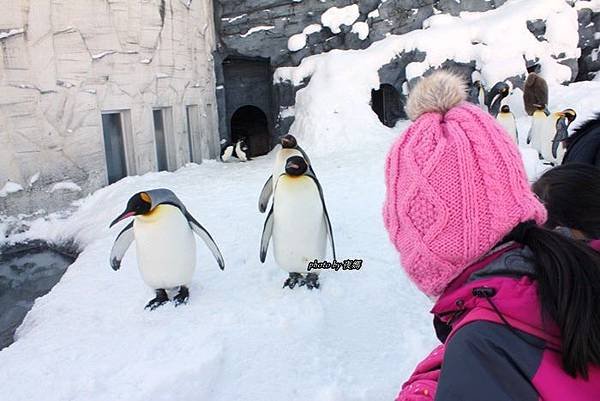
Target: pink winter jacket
[[508, 354]]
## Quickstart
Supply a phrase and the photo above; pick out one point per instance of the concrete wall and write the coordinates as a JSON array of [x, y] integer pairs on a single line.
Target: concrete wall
[[64, 62]]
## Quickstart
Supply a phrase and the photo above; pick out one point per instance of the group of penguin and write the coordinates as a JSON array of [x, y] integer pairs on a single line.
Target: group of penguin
[[297, 224], [549, 130]]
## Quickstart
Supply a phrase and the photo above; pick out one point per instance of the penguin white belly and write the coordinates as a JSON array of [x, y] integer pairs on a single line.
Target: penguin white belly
[[508, 123], [299, 227], [166, 248], [547, 136], [240, 153], [280, 160], [538, 126]]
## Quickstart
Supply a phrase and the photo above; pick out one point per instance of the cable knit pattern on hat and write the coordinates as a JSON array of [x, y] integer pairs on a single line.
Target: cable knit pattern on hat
[[456, 185]]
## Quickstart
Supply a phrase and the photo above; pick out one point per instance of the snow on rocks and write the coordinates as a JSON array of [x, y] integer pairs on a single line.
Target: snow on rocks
[[361, 29], [257, 29], [335, 17], [332, 109], [298, 41], [10, 187]]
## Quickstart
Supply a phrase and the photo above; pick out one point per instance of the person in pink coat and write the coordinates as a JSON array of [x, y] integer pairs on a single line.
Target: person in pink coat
[[517, 305]]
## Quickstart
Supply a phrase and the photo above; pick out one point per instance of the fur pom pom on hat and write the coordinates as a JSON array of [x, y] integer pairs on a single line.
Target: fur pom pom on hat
[[456, 184], [436, 93]]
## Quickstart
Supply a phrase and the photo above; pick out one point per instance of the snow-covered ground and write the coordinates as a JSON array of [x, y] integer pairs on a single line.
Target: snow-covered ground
[[241, 337]]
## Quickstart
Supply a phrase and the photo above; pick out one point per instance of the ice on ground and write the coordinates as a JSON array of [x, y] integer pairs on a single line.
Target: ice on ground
[[296, 42]]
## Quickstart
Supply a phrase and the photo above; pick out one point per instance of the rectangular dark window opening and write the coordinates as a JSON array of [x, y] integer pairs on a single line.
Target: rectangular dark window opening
[[160, 139], [114, 146]]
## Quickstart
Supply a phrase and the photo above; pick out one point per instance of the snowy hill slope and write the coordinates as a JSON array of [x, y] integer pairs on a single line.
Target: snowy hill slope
[[241, 336]]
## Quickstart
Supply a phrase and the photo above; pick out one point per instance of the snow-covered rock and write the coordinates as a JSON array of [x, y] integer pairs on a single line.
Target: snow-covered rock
[[335, 17]]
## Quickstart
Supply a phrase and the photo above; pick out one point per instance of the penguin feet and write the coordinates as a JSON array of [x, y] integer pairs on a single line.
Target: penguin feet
[[311, 281], [293, 280], [160, 299], [182, 297]]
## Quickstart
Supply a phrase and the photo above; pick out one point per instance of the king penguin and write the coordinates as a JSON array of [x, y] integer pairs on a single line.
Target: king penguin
[[166, 250], [507, 120], [299, 224], [496, 95], [289, 148], [556, 132], [478, 95]]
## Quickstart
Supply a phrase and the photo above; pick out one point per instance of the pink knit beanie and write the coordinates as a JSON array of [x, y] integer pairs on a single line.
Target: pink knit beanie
[[455, 182]]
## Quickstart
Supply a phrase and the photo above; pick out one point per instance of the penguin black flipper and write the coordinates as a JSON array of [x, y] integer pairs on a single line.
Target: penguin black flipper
[[325, 213], [122, 243], [208, 240], [265, 195], [266, 235]]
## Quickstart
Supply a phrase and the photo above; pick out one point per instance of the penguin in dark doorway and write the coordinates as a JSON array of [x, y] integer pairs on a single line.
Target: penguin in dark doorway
[[239, 150], [163, 231]]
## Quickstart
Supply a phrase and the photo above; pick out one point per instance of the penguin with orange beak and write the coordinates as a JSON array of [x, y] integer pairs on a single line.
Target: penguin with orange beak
[[163, 231]]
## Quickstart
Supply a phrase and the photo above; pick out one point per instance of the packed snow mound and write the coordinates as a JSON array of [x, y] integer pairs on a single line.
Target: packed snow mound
[[333, 110]]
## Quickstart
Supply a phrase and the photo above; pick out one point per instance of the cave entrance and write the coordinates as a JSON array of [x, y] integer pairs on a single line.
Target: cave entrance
[[250, 123], [385, 102]]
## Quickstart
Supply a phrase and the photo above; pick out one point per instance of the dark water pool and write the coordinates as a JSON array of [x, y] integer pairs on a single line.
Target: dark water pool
[[27, 271]]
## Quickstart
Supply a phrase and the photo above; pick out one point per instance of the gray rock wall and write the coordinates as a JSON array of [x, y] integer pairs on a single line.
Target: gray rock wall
[[262, 28], [62, 63]]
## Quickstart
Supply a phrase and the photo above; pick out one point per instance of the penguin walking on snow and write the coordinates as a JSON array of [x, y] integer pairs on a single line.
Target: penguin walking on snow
[[163, 231], [289, 148], [507, 120], [299, 224]]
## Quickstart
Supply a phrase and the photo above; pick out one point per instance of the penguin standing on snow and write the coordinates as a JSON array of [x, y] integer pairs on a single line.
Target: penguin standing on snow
[[289, 148], [163, 231], [507, 120], [477, 95], [299, 224], [495, 97], [556, 132], [535, 92]]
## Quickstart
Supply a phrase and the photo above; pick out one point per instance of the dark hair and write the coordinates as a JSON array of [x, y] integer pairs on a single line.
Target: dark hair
[[571, 194], [568, 280]]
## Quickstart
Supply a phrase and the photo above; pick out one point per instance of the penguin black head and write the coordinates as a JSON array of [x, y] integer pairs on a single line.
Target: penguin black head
[[505, 109], [497, 93], [295, 166], [140, 203], [570, 115], [288, 142]]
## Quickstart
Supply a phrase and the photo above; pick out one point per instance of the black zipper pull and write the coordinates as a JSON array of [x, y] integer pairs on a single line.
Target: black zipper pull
[[484, 292]]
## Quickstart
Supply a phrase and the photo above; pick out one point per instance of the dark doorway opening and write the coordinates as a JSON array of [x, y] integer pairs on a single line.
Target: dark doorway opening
[[114, 146], [385, 102], [250, 123]]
